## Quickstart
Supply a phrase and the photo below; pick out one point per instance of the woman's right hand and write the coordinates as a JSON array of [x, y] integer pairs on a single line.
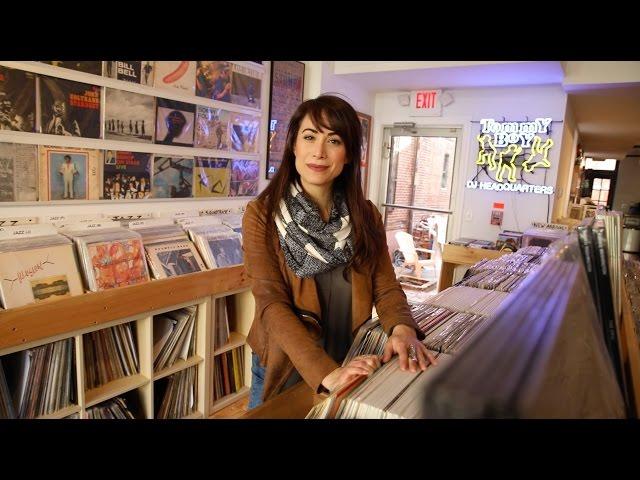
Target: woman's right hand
[[361, 365]]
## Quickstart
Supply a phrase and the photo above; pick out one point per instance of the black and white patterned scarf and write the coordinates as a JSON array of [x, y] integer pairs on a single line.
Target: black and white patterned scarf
[[310, 245]]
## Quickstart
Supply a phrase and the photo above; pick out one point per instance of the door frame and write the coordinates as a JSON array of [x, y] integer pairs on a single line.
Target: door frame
[[449, 131]]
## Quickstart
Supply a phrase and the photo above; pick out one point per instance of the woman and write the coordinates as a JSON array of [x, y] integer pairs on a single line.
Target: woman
[[315, 251]]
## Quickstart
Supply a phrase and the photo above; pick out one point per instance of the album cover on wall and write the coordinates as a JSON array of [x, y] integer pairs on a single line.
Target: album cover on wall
[[246, 86], [244, 132], [212, 128], [172, 177], [129, 116], [18, 172], [180, 75], [213, 80], [212, 177], [69, 108], [121, 70], [69, 173], [147, 72], [244, 178], [126, 175], [174, 122], [95, 68], [17, 100]]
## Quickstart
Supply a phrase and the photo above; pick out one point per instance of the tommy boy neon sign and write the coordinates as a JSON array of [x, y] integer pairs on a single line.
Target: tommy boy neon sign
[[500, 144]]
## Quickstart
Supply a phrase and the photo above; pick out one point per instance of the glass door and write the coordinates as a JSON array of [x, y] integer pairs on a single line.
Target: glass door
[[417, 198]]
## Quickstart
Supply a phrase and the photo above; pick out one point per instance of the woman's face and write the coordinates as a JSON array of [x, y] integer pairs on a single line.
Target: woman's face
[[320, 155]]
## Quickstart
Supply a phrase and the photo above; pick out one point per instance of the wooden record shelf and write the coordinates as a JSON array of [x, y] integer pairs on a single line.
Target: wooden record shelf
[[38, 321]]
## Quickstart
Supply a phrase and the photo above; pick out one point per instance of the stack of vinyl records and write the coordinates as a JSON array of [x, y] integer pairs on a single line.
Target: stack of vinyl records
[[595, 254], [221, 334], [6, 403], [115, 408], [540, 357], [228, 372], [179, 398], [613, 228], [387, 393], [109, 354], [38, 269], [369, 340], [219, 248], [42, 379], [111, 258], [632, 284], [170, 252], [174, 337]]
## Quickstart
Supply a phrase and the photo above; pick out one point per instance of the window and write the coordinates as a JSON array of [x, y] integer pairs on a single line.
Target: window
[[600, 191], [444, 183]]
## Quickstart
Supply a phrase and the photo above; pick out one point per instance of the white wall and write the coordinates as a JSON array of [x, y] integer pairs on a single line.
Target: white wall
[[627, 191], [472, 208], [319, 78], [566, 164]]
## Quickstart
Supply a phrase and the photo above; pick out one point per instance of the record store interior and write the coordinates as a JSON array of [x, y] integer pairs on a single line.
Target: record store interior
[[319, 240]]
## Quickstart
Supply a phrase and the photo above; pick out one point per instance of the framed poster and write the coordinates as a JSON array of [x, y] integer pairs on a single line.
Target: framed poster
[[365, 122], [287, 85]]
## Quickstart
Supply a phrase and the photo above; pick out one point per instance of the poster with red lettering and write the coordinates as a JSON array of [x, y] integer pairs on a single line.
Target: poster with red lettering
[[69, 108]]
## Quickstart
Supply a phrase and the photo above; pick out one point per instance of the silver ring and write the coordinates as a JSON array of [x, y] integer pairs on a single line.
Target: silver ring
[[412, 353]]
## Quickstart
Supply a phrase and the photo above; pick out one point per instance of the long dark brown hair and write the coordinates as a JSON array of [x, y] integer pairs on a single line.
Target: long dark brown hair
[[332, 113]]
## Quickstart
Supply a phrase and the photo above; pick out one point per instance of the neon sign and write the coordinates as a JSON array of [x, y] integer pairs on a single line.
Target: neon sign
[[499, 146]]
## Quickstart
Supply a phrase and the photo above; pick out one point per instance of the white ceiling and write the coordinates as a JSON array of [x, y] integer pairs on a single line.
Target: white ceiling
[[608, 120], [607, 114]]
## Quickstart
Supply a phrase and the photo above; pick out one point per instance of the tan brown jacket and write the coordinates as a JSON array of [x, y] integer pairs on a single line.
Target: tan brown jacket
[[286, 328]]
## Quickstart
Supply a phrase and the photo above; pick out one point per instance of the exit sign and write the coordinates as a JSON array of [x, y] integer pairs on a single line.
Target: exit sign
[[426, 103]]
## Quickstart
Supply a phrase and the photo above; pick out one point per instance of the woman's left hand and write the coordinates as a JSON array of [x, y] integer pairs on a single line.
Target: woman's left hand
[[404, 342]]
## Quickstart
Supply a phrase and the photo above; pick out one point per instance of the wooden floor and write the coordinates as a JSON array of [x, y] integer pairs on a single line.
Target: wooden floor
[[236, 410]]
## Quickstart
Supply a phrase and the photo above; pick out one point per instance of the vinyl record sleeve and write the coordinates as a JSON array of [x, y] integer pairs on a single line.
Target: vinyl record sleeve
[[75, 178], [69, 108], [18, 172], [17, 100], [38, 275], [174, 258], [180, 75], [129, 116]]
